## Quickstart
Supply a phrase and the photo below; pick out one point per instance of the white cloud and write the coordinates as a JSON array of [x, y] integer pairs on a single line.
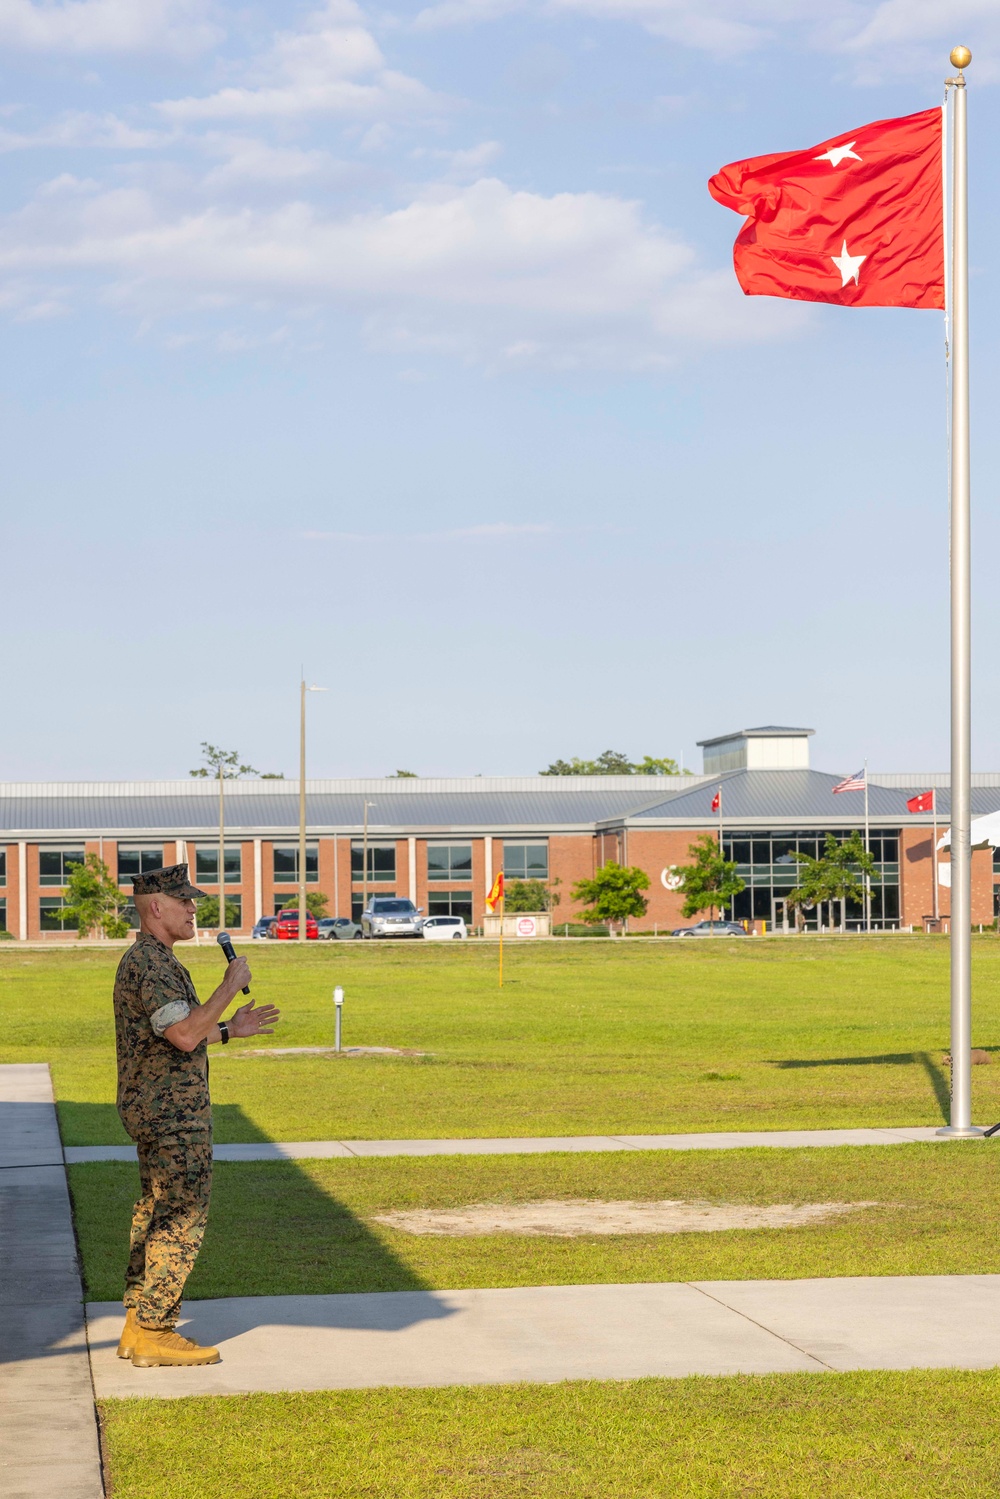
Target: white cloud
[[482, 273], [247, 161], [84, 131], [109, 26], [884, 35], [332, 66]]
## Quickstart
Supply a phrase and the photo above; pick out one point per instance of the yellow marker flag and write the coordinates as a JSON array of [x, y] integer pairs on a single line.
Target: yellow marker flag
[[496, 894]]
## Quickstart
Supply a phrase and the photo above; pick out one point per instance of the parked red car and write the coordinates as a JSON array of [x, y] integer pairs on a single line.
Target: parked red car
[[287, 926]]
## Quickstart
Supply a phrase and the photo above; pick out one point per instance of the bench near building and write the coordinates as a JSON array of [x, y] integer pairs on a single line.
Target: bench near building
[[440, 842]]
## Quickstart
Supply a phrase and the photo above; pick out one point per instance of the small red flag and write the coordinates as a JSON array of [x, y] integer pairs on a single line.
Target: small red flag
[[922, 803], [717, 800], [857, 220]]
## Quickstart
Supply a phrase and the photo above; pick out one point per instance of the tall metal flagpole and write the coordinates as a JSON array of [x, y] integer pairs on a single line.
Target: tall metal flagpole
[[961, 621], [222, 846], [868, 878]]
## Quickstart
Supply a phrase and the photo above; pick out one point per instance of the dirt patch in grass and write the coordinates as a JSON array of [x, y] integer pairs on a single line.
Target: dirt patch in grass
[[569, 1220]]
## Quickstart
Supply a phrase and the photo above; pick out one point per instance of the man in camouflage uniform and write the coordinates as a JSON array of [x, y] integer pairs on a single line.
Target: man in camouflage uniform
[[162, 1034]]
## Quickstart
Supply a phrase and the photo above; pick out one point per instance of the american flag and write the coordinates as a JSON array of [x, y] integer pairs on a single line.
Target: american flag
[[856, 782]]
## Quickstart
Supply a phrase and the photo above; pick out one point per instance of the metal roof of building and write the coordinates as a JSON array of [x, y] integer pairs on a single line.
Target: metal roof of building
[[531, 805], [400, 813], [765, 731], [803, 798]]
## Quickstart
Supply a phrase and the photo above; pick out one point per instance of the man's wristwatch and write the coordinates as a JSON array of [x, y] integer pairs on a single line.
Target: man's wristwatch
[[224, 1032]]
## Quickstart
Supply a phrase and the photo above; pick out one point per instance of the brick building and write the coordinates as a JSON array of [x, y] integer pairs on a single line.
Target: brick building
[[440, 842]]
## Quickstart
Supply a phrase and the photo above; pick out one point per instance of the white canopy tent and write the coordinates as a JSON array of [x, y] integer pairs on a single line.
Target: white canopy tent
[[984, 832]]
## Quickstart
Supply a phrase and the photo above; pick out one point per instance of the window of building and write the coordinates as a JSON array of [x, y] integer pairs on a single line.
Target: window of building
[[449, 861], [526, 861], [286, 863], [3, 867], [357, 903], [450, 903], [53, 864], [49, 917], [206, 864], [133, 861], [381, 862], [3, 915], [766, 862]]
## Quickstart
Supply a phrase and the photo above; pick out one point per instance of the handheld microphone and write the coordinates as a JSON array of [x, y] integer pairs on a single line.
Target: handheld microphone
[[226, 943]]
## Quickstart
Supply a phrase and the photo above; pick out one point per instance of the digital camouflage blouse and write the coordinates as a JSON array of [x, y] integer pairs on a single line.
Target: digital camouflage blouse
[[161, 1089]]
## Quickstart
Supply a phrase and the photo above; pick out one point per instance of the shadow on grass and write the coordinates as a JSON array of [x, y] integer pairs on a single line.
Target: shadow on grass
[[935, 1074], [99, 1124], [271, 1231]]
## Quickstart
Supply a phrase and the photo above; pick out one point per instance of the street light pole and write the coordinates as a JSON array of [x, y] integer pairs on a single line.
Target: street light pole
[[364, 858], [303, 904]]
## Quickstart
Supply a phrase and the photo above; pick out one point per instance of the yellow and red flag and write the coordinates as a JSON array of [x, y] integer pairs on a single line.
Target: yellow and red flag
[[496, 894]]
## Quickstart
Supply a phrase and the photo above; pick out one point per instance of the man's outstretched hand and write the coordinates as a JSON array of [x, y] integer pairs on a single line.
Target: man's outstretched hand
[[254, 1020]]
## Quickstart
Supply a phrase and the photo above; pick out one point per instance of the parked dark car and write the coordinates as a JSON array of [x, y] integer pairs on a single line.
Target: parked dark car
[[338, 929], [710, 929], [264, 927]]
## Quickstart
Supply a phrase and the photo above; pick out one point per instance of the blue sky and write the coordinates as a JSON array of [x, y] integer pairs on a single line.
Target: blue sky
[[403, 342]]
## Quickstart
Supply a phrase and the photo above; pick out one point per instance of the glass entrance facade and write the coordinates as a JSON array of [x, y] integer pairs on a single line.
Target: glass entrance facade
[[764, 860]]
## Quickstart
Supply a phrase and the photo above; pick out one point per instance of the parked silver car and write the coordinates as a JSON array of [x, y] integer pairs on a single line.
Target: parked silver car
[[390, 916], [710, 929], [338, 929]]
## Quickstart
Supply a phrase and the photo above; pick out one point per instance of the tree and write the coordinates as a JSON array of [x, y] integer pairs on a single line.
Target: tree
[[649, 765], [613, 895], [93, 901], [529, 895], [710, 880], [226, 765], [837, 875], [316, 903], [207, 911], [404, 775], [614, 763]]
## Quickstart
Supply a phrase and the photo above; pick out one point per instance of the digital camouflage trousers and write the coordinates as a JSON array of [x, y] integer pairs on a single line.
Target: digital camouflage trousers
[[168, 1223]]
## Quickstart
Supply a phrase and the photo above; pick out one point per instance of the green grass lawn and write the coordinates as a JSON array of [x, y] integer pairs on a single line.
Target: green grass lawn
[[793, 1436], [306, 1227], [584, 1038]]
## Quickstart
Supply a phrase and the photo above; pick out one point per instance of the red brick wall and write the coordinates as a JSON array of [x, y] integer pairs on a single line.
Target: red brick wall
[[572, 857], [654, 851], [915, 875]]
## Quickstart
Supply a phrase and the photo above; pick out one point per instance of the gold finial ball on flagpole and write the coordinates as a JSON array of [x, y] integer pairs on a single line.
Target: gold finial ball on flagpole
[[960, 57]]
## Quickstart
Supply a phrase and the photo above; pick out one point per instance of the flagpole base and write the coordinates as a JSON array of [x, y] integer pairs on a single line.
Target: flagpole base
[[962, 1132]]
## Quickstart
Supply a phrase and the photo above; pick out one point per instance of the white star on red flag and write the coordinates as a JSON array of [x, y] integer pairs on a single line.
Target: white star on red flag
[[848, 265], [837, 154]]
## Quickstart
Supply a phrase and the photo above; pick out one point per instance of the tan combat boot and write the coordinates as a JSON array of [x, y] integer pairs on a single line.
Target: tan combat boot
[[162, 1348], [126, 1345]]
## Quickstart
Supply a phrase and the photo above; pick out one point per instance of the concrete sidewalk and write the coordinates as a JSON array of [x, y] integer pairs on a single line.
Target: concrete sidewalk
[[48, 1428], [549, 1333], [277, 1150]]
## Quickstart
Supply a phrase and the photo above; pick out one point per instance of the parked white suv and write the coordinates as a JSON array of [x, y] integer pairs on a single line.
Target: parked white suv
[[390, 916]]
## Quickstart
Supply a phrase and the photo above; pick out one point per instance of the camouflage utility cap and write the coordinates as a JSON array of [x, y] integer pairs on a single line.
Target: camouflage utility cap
[[170, 881]]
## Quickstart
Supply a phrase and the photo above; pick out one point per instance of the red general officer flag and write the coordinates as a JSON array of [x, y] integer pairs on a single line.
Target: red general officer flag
[[857, 220], [922, 803], [717, 800]]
